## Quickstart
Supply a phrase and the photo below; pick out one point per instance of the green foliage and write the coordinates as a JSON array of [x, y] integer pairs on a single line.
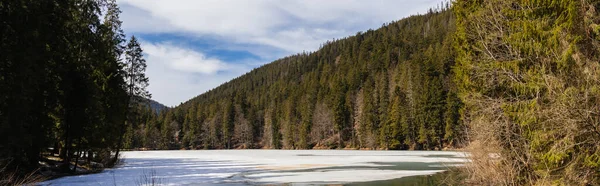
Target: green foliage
[[526, 71]]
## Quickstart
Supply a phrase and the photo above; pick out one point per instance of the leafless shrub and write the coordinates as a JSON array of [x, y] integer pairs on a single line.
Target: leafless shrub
[[322, 124], [150, 178]]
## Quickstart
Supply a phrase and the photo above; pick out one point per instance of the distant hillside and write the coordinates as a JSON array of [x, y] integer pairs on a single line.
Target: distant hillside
[[156, 106], [388, 88]]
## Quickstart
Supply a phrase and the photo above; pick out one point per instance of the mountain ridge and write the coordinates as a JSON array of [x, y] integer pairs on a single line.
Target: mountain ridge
[[156, 106], [345, 95]]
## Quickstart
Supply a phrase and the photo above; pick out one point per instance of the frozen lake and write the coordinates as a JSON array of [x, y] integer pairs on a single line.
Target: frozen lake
[[256, 167]]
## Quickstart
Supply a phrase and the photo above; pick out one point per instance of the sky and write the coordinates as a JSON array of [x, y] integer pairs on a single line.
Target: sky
[[192, 46]]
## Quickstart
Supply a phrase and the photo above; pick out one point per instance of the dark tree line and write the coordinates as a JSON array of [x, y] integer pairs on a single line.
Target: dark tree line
[[62, 79], [388, 88]]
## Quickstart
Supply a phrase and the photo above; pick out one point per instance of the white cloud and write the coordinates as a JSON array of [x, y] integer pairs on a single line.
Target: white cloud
[[178, 73], [183, 59], [217, 17], [292, 26]]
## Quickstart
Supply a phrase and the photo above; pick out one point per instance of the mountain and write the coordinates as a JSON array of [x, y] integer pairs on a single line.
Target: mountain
[[388, 88], [156, 106]]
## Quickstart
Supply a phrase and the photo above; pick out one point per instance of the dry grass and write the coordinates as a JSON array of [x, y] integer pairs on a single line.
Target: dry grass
[[13, 178]]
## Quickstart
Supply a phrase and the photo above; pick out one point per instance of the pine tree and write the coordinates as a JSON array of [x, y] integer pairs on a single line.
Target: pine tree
[[136, 83], [385, 133], [275, 130], [228, 119], [453, 128], [339, 110]]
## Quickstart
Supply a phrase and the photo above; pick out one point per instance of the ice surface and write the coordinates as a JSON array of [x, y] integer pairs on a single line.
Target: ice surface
[[207, 167], [338, 176]]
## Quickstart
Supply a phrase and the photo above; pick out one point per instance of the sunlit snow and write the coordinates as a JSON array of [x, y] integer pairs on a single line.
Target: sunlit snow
[[205, 167]]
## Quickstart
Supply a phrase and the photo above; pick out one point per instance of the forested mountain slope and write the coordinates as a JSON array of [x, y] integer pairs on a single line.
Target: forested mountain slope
[[388, 88]]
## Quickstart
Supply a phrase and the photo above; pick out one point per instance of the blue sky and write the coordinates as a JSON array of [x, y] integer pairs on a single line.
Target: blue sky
[[192, 46]]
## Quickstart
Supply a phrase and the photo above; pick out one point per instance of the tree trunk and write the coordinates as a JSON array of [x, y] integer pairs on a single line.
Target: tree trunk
[[89, 156], [116, 158], [78, 154], [66, 154]]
